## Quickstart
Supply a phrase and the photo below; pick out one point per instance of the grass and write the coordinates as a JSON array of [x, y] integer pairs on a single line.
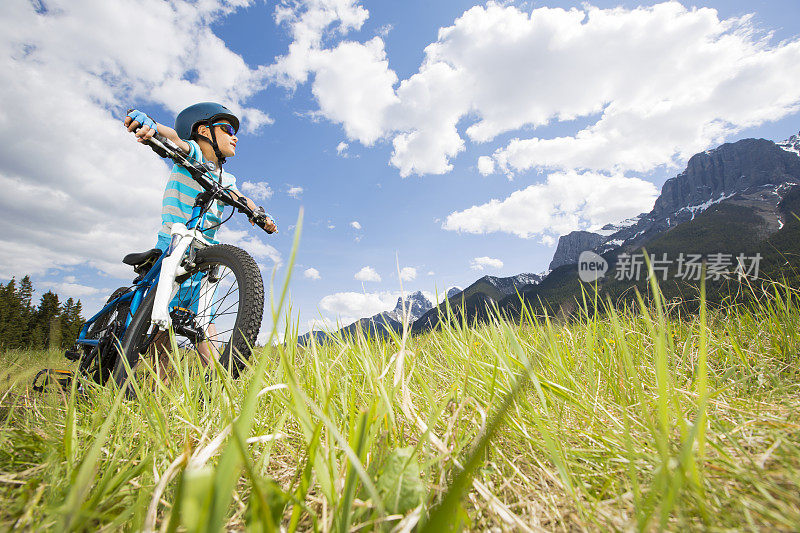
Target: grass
[[637, 420]]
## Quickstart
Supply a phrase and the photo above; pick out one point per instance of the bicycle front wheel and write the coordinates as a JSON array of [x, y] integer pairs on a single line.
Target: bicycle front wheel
[[217, 312]]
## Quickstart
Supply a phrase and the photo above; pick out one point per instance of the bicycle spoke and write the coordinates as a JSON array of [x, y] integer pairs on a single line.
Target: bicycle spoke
[[225, 311], [215, 315], [228, 271]]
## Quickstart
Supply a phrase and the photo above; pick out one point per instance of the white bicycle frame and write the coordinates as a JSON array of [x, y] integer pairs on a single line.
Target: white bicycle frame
[[171, 268]]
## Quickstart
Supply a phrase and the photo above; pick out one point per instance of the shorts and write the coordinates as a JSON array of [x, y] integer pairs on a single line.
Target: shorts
[[188, 297]]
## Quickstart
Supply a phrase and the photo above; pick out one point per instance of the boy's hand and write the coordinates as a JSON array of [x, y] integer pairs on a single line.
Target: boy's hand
[[264, 220], [269, 226], [147, 127]]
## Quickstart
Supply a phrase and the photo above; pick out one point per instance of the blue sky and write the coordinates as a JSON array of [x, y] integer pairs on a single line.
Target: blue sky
[[462, 138]]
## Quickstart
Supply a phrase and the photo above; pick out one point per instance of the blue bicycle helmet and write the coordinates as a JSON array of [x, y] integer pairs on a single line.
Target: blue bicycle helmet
[[204, 113]]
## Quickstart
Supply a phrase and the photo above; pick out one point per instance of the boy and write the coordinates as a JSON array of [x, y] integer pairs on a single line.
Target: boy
[[210, 130], [206, 132]]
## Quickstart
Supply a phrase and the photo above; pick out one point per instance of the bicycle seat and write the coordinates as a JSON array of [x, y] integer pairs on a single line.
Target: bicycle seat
[[142, 257]]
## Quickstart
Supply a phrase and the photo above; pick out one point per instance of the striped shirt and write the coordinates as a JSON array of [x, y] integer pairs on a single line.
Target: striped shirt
[[179, 196]]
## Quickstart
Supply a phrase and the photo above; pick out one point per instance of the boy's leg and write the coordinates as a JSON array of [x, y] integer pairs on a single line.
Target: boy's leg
[[208, 348], [159, 350]]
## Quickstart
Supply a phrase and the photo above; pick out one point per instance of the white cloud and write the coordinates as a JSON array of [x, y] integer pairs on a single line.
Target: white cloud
[[308, 22], [311, 273], [320, 324], [480, 263], [431, 273], [294, 192], [655, 83], [69, 289], [485, 165], [252, 242], [355, 224], [350, 306], [408, 274], [352, 81], [384, 30], [258, 190], [566, 201], [548, 240], [367, 274], [341, 149], [72, 65], [331, 226]]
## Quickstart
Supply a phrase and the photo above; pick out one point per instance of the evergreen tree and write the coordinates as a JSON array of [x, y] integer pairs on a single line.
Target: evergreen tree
[[54, 336], [36, 339], [13, 328], [71, 322], [76, 322], [26, 291], [49, 308], [25, 296], [24, 326]]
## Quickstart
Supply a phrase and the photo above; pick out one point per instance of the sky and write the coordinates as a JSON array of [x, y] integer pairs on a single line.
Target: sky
[[427, 143]]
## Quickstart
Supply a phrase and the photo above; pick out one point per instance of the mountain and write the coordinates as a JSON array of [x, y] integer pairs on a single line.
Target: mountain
[[453, 291], [416, 305], [792, 144], [754, 167], [484, 292], [740, 198], [379, 325], [572, 244], [737, 199], [710, 177]]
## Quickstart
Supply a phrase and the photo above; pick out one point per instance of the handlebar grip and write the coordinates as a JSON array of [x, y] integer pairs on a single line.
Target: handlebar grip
[[260, 217], [158, 145]]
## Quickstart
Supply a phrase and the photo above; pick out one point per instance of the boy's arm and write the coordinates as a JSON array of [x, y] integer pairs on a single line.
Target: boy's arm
[[148, 127], [269, 226]]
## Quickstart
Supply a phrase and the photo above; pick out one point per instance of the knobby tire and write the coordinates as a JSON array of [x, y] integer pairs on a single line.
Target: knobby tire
[[246, 325]]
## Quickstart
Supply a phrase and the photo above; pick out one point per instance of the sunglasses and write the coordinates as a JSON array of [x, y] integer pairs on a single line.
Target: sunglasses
[[227, 128]]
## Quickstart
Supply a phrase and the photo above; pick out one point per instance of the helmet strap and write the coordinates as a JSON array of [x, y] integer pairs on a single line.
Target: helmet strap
[[213, 142], [215, 146]]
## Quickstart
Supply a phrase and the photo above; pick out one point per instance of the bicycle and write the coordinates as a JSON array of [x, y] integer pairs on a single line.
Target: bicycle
[[192, 270]]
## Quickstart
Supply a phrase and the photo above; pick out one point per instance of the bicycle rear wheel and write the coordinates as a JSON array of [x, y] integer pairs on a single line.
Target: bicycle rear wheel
[[97, 361], [221, 301]]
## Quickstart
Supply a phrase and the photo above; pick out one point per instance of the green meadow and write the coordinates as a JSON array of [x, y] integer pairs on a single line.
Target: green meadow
[[636, 419]]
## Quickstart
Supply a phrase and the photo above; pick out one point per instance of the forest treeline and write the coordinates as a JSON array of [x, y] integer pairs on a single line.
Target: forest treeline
[[50, 324]]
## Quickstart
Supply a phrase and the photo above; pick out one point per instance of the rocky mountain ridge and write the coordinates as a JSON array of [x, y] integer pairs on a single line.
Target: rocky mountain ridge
[[485, 291], [792, 144], [754, 172], [416, 305], [419, 305], [572, 244]]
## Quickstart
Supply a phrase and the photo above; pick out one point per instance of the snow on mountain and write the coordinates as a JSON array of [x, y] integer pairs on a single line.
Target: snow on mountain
[[416, 304], [611, 229], [792, 144], [510, 284], [699, 208]]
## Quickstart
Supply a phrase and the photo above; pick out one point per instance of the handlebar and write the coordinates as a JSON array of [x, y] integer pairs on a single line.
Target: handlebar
[[199, 172]]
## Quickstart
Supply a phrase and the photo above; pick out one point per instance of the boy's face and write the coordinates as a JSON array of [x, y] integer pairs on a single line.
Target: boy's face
[[226, 142]]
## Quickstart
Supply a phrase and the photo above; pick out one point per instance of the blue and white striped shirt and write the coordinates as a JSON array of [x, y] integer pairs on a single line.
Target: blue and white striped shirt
[[179, 196]]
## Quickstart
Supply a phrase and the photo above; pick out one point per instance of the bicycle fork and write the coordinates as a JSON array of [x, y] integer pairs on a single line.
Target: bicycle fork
[[171, 268]]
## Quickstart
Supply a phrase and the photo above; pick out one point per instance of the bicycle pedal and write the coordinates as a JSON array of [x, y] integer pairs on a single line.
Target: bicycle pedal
[[62, 378], [72, 355]]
